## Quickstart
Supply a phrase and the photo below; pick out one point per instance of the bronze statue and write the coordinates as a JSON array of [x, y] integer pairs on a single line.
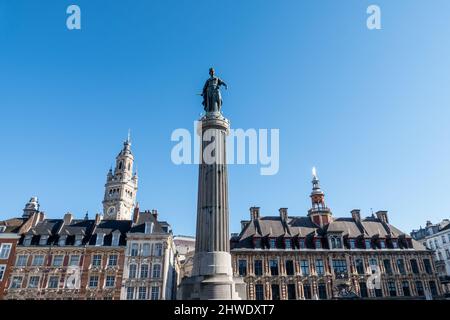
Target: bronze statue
[[212, 99]]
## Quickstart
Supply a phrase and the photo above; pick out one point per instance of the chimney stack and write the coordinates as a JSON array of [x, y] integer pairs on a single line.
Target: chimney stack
[[283, 214], [136, 213], [68, 218], [155, 214], [254, 213], [356, 215], [382, 215]]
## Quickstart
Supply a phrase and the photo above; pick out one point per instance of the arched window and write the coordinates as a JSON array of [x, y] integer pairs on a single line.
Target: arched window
[[120, 165]]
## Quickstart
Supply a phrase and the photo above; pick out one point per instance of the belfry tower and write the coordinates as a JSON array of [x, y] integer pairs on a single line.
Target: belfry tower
[[121, 186], [319, 213]]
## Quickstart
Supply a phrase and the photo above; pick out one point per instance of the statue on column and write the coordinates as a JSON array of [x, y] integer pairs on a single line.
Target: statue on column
[[212, 99]]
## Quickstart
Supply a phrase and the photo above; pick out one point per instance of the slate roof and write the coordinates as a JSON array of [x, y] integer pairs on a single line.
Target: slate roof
[[302, 227], [12, 225]]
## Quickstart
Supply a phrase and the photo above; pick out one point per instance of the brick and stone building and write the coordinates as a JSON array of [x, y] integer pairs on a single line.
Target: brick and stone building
[[319, 256], [85, 259]]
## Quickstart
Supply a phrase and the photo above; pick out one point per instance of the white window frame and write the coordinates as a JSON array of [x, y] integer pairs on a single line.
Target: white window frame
[[113, 283], [158, 247], [18, 258], [153, 270], [34, 259], [96, 281], [57, 282], [116, 259], [13, 282], [135, 271], [8, 250], [37, 284], [153, 294], [70, 260], [62, 260], [93, 259]]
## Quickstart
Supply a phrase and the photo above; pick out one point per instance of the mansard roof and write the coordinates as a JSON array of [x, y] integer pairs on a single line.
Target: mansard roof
[[302, 227], [13, 225], [147, 217]]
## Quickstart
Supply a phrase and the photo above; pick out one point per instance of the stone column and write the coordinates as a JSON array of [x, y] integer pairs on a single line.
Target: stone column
[[212, 273]]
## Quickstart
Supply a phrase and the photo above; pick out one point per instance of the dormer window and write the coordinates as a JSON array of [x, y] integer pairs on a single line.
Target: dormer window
[[115, 239], [272, 243], [335, 242], [43, 240], [257, 243], [2, 228], [302, 244], [99, 240], [318, 244], [78, 240], [368, 244], [352, 243], [395, 244], [382, 244], [27, 240], [148, 227], [288, 243], [62, 241]]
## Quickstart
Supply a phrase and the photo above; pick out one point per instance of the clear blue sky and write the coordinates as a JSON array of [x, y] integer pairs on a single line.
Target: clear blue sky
[[370, 109]]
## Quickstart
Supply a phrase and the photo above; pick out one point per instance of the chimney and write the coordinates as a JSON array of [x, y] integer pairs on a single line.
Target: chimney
[[254, 213], [382, 215], [98, 218], [68, 218], [155, 214], [283, 214], [136, 214], [244, 224], [356, 215]]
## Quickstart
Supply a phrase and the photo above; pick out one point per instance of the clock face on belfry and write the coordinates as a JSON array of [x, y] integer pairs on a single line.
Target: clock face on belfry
[[111, 211]]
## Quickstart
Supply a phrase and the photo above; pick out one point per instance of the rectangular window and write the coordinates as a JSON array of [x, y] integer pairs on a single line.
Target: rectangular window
[[242, 265], [142, 293], [291, 291], [2, 271], [74, 260], [320, 268], [405, 287], [21, 260], [392, 289], [155, 293], [258, 243], [395, 244], [144, 271], [112, 260], [272, 243], [134, 251], [158, 249], [352, 244], [368, 244], [273, 267], [322, 288], [304, 266], [5, 250], [373, 263], [318, 244], [359, 266], [419, 288], [288, 243], [387, 266], [58, 260], [110, 281], [289, 267], [93, 281], [382, 244], [427, 264], [307, 291], [38, 260], [275, 292], [53, 282], [401, 266], [16, 282], [156, 271], [339, 267], [146, 249], [414, 266], [33, 282], [258, 268], [378, 293], [259, 292], [363, 290], [132, 271], [302, 244], [96, 260], [433, 288], [130, 293]]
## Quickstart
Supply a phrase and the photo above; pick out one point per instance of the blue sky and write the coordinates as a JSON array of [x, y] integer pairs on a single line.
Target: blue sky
[[370, 109]]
